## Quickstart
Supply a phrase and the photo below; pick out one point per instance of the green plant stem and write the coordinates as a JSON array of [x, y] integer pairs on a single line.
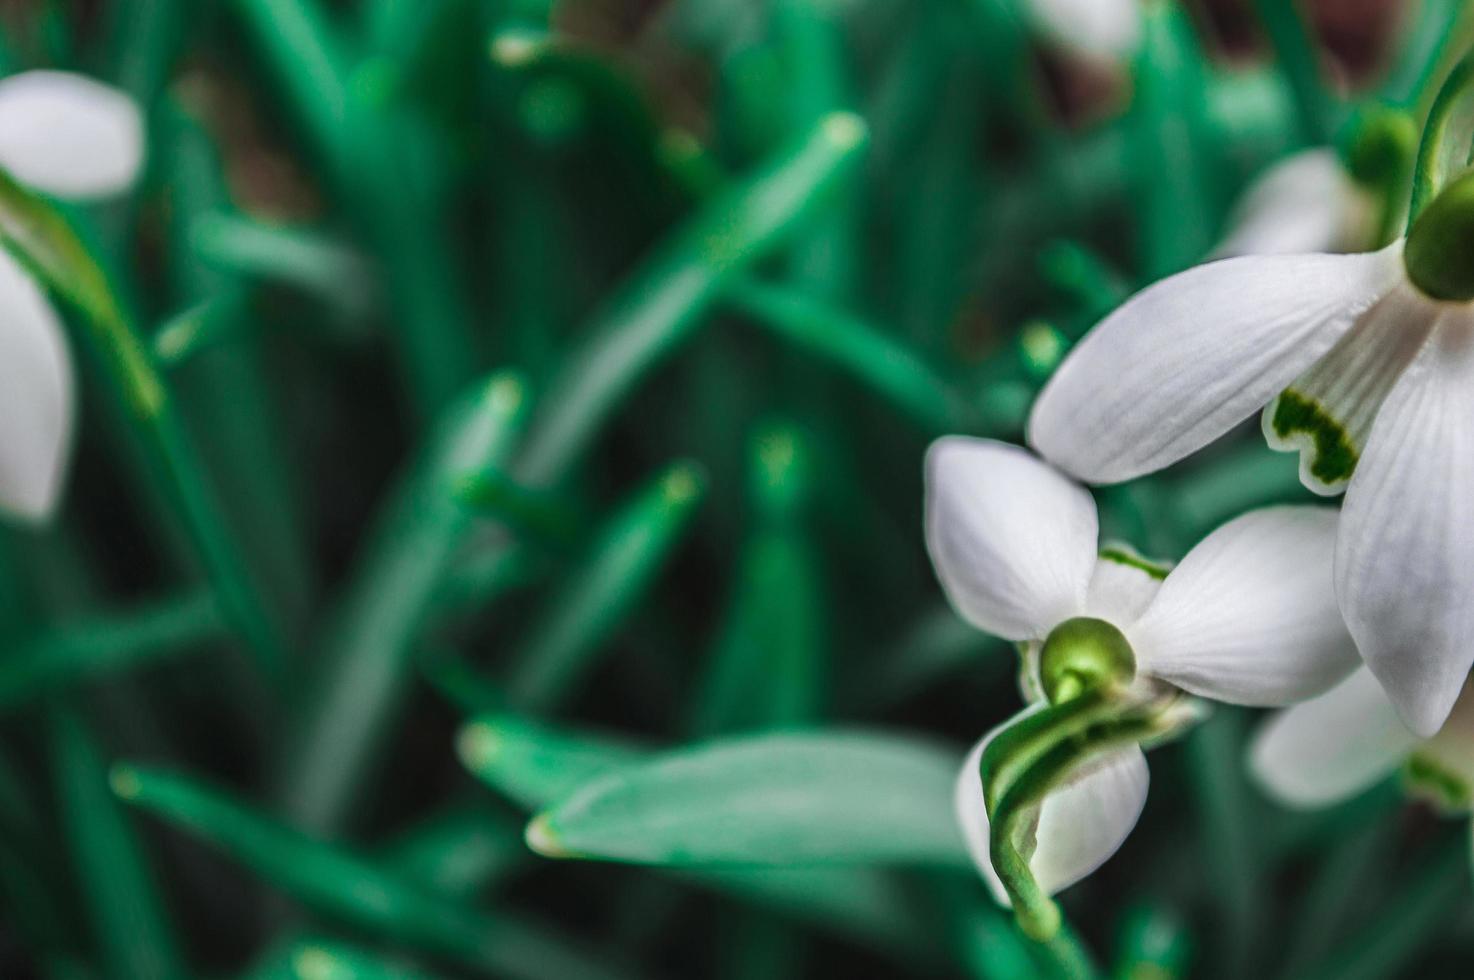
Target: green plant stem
[[1445, 147]]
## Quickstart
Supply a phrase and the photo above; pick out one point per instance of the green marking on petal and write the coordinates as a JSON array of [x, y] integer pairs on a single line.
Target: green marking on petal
[[1430, 779], [1122, 555], [1297, 418]]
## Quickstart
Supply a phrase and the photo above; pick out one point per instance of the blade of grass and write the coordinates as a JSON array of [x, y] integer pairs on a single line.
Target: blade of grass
[[601, 591], [663, 299], [126, 910], [1171, 197], [91, 650], [1298, 57], [880, 362], [767, 666], [344, 886], [364, 658]]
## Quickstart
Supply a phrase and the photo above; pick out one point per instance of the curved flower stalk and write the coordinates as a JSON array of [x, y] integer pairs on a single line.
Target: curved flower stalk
[[75, 138], [1350, 738], [1099, 30], [1112, 645]]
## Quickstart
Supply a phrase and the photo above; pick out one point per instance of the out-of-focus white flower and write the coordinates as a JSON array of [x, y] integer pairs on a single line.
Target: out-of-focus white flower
[[1306, 202], [1350, 738], [1248, 617], [1366, 365], [1104, 30], [72, 137]]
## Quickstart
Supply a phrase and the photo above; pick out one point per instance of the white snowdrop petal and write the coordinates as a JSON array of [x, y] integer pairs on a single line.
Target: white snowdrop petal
[[1305, 203], [1331, 747], [1104, 29], [1081, 824], [35, 397], [1326, 415], [1250, 615], [1012, 539], [69, 135], [1182, 362], [1405, 555], [1122, 586]]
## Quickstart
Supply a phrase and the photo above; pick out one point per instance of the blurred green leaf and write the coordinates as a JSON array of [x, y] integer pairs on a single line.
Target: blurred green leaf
[[783, 799], [364, 658], [353, 889]]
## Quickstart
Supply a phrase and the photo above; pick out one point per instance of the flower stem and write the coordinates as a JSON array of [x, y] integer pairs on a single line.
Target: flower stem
[[1446, 137]]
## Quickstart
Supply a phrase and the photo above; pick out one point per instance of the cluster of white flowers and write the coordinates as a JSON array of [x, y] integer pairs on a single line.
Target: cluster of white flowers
[[1363, 363], [73, 138]]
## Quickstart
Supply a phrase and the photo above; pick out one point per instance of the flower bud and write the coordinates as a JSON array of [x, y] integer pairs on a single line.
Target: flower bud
[[1379, 147], [1439, 254], [1084, 654]]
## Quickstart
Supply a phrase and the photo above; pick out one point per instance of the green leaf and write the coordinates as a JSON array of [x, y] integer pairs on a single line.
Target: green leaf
[[126, 910], [785, 799], [767, 668], [91, 650], [43, 240], [871, 355], [365, 658], [534, 764], [325, 959], [666, 295], [602, 589], [348, 887]]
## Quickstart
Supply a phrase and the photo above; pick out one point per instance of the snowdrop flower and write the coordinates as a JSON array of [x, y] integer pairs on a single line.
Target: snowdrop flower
[[1306, 202], [1350, 738], [75, 138], [1366, 364], [1103, 30], [1248, 617], [1325, 200]]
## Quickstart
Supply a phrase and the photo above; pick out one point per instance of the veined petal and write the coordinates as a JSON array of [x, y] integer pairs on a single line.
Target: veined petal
[[1081, 824], [1183, 361], [1105, 29], [1327, 414], [69, 135], [1123, 585], [1331, 747], [35, 396], [1405, 557], [1250, 616], [1305, 203], [1012, 539]]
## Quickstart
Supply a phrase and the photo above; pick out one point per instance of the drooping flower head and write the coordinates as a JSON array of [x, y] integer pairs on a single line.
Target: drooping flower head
[[1366, 365], [1248, 617], [72, 137]]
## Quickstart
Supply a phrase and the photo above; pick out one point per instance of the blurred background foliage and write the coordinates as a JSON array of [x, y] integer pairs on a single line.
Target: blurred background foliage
[[568, 366]]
